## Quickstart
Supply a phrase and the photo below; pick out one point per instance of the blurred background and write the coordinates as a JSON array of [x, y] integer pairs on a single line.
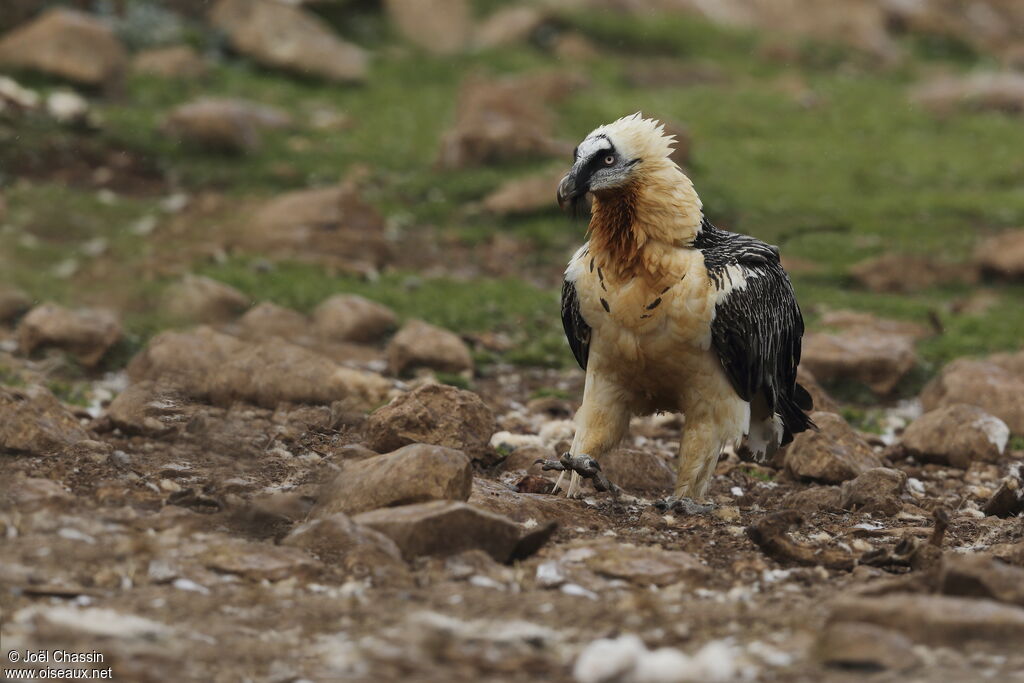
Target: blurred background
[[408, 150], [261, 255]]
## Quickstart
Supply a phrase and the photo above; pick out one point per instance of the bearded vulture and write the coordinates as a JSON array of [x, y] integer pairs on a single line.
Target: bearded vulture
[[665, 312]]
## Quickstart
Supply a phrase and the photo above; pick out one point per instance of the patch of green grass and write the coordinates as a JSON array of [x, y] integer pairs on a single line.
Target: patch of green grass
[[550, 392], [759, 474], [1016, 443], [454, 380], [10, 377], [69, 392]]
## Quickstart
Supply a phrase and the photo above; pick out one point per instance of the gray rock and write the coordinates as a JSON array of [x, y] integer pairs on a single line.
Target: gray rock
[[956, 435], [414, 474], [832, 454], [433, 414]]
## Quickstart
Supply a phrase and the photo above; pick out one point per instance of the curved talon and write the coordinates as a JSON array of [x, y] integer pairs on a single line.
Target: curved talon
[[686, 506], [583, 465]]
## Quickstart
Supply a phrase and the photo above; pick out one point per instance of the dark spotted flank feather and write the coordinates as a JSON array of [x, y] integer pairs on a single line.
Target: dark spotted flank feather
[[757, 328], [577, 331]]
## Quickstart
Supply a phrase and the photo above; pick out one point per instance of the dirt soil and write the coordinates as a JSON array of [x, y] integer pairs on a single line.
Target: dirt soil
[[179, 533]]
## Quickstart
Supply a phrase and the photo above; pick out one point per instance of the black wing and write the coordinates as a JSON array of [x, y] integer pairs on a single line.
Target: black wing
[[577, 331], [757, 329]]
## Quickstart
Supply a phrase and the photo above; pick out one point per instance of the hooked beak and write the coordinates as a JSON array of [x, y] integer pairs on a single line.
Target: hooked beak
[[569, 193]]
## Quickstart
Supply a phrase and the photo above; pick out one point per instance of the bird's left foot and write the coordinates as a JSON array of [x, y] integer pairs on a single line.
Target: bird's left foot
[[686, 506], [582, 466]]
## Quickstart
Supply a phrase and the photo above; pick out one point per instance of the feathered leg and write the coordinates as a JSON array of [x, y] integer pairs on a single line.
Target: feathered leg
[[601, 422], [710, 425]]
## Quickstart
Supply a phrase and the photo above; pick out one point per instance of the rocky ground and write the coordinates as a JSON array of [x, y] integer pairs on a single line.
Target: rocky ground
[[259, 423]]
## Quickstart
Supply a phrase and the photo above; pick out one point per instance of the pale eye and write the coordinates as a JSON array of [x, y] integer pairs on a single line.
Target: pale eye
[[609, 160]]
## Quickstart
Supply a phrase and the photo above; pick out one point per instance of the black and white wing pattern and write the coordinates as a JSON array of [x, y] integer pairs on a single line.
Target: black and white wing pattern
[[577, 331], [758, 326]]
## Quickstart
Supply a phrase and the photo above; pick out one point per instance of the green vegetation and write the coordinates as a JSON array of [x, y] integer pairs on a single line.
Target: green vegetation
[[823, 156]]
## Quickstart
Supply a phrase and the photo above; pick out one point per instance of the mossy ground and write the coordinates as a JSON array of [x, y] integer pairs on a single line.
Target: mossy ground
[[848, 172]]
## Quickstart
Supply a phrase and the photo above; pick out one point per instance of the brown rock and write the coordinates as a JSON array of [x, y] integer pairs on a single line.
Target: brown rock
[[436, 414], [819, 397], [637, 470], [1002, 255], [644, 565], [330, 225], [877, 490], [441, 27], [66, 44], [936, 620], [526, 195], [979, 383], [1000, 91], [509, 26], [877, 360], [672, 73], [444, 528], [981, 576], [422, 345], [147, 408], [1008, 500], [87, 334], [13, 302], [865, 646], [230, 125], [956, 435], [832, 454], [208, 365], [359, 551], [533, 508], [902, 273], [1013, 363], [352, 318], [503, 119], [259, 561], [286, 37], [28, 494], [271, 320], [176, 61], [203, 300], [815, 499], [525, 458], [413, 474], [33, 421], [844, 320]]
